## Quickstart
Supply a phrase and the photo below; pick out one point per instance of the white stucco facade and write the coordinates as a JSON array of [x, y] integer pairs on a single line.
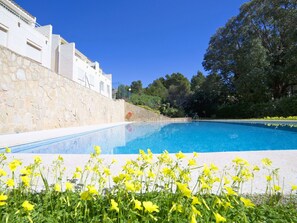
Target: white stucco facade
[[20, 33], [69, 62]]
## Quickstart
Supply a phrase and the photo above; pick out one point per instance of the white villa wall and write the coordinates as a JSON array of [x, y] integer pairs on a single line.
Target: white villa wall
[[19, 34], [24, 38], [66, 60]]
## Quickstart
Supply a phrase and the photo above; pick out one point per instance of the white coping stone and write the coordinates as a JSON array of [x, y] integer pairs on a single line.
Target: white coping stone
[[9, 140], [283, 159]]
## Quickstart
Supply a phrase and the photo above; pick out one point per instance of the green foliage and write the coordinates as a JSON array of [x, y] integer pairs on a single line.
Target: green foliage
[[253, 52], [197, 81], [157, 88], [153, 102], [281, 107], [123, 92], [162, 188], [136, 87]]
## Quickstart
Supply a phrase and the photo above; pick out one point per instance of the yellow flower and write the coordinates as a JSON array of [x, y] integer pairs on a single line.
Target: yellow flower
[[85, 195], [180, 155], [226, 180], [106, 171], [37, 159], [92, 190], [219, 218], [230, 191], [114, 205], [195, 154], [236, 179], [26, 171], [14, 164], [97, 150], [206, 170], [240, 161], [3, 199], [76, 175], [78, 169], [130, 186], [266, 162], [294, 187], [268, 178], [247, 202], [137, 205], [195, 211], [195, 201], [27, 206], [193, 218], [256, 168], [57, 187], [276, 188], [213, 167], [176, 207], [10, 183], [184, 189], [7, 150], [192, 162], [69, 186], [150, 207], [2, 173], [60, 158], [26, 181], [204, 185], [151, 174]]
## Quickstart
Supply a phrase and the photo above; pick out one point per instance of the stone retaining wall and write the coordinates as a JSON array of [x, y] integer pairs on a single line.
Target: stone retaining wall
[[33, 97], [135, 113]]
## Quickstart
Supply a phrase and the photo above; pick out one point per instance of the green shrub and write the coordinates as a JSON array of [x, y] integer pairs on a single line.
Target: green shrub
[[282, 107]]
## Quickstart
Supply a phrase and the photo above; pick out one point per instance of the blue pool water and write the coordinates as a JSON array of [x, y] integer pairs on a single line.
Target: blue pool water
[[173, 137]]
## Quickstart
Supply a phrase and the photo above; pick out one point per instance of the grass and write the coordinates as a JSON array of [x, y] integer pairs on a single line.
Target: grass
[[148, 189]]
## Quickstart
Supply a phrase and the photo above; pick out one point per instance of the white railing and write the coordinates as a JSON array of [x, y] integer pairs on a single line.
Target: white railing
[[18, 15]]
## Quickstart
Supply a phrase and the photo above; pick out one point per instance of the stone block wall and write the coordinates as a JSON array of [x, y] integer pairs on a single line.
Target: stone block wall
[[33, 97], [135, 113]]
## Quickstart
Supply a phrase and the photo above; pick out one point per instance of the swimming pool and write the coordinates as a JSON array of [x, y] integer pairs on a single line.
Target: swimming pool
[[173, 137]]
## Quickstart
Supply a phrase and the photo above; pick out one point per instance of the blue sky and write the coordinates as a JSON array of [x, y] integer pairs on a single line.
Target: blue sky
[[137, 39]]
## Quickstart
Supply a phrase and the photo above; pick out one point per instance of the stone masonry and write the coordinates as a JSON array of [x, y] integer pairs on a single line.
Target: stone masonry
[[34, 98]]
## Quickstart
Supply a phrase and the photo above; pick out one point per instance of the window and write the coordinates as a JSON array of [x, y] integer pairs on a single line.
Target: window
[[3, 35], [33, 51]]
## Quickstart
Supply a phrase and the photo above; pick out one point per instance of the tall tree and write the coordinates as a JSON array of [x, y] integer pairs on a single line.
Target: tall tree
[[136, 87], [178, 89], [197, 81], [157, 88], [258, 46]]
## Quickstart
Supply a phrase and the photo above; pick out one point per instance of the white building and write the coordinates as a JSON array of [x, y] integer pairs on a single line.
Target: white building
[[20, 33], [69, 62]]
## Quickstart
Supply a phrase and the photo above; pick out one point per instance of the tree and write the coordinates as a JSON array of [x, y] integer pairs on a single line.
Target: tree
[[197, 81], [122, 92], [257, 46], [178, 89], [205, 100], [157, 88], [136, 87]]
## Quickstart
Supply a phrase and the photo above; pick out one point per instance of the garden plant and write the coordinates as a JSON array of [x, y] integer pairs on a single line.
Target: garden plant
[[150, 188]]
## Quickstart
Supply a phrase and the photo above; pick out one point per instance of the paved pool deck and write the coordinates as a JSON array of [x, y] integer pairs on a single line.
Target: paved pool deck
[[7, 140]]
